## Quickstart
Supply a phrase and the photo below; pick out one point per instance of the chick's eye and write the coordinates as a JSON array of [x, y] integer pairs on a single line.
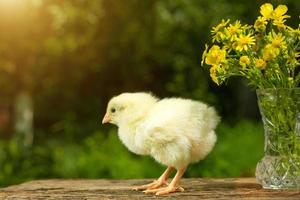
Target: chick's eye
[[113, 110]]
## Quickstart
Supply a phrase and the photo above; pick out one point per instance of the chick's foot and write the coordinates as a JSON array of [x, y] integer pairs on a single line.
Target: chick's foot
[[168, 190], [174, 185], [164, 190], [153, 185], [161, 181]]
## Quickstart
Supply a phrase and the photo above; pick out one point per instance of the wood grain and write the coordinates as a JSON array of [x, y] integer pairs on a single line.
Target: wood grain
[[238, 188]]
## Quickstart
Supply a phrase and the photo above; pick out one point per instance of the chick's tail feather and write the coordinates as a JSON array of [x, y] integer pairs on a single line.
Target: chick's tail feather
[[212, 118], [208, 120]]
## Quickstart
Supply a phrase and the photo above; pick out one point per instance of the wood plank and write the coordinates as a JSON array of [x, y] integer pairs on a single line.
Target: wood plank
[[196, 188]]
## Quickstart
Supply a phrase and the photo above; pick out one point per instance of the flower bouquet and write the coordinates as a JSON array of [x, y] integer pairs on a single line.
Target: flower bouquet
[[267, 55]]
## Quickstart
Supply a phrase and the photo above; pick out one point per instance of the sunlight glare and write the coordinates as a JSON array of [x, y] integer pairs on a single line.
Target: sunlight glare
[[12, 4]]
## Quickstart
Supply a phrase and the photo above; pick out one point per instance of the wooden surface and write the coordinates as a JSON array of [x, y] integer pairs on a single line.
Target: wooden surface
[[240, 188]]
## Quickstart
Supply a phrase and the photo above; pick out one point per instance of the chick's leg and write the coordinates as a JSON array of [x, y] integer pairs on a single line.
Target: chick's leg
[[172, 187], [156, 183]]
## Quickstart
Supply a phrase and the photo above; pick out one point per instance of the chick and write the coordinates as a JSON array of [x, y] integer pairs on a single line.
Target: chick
[[174, 131]]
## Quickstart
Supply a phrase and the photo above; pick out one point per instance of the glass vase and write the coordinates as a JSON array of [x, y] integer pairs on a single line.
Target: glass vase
[[280, 166]]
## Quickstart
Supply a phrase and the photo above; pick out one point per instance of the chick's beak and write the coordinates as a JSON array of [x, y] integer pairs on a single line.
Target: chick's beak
[[106, 119]]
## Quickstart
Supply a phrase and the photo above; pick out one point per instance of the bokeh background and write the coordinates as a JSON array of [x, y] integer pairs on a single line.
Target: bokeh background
[[62, 60]]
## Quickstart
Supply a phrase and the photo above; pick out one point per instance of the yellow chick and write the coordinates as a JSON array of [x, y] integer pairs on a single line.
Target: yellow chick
[[174, 131]]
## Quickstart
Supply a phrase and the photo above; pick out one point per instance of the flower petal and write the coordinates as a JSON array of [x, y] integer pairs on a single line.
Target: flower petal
[[266, 10], [281, 10]]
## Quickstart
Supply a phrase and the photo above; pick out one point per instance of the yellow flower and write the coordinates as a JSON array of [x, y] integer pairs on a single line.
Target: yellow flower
[[276, 15], [266, 10], [220, 26], [233, 29], [260, 63], [279, 22], [243, 41], [269, 52], [219, 36], [277, 40], [260, 23], [215, 56], [204, 54], [213, 74], [244, 61], [217, 30], [280, 11], [294, 31]]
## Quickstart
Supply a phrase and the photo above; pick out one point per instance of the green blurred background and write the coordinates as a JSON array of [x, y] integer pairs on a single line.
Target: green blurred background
[[61, 61]]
